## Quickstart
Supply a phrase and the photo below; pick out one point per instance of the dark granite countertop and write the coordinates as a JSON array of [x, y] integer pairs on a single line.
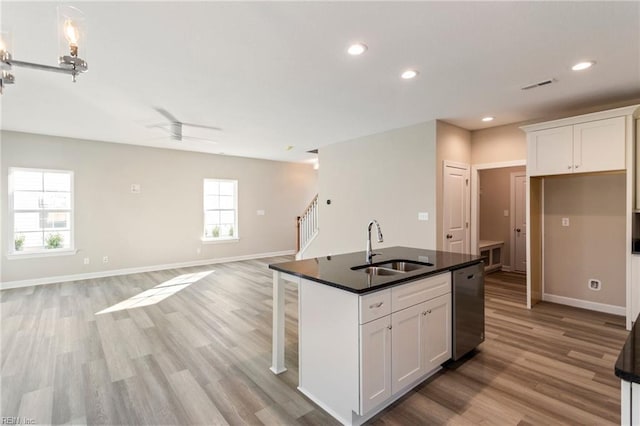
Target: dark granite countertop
[[628, 363], [336, 270]]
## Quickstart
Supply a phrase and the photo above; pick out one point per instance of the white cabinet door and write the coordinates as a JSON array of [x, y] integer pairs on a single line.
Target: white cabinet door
[[406, 347], [599, 145], [375, 363], [437, 331], [550, 151]]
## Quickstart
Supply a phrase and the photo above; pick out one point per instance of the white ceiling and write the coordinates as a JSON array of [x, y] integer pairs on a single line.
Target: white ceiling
[[273, 75]]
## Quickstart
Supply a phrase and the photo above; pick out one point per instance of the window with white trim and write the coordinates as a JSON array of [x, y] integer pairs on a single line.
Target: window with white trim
[[40, 210], [220, 209]]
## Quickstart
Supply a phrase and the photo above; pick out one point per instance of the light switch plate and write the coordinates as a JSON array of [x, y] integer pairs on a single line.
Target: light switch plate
[[260, 212], [565, 221], [135, 188], [506, 213], [423, 215]]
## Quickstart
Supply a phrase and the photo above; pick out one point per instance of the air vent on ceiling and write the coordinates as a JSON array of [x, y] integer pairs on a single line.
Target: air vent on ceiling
[[539, 84], [313, 151]]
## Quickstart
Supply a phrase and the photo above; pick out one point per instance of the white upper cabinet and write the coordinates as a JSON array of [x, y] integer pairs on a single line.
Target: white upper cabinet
[[550, 151], [599, 145], [591, 146]]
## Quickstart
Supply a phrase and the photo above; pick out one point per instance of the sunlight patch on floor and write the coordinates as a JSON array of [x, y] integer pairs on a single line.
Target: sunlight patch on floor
[[157, 293]]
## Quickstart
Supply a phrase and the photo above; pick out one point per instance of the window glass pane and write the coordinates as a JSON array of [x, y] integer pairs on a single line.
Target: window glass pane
[[57, 220], [32, 239], [211, 202], [227, 188], [26, 221], [226, 231], [227, 217], [57, 200], [26, 200], [27, 181], [226, 202], [211, 187], [212, 218], [57, 182]]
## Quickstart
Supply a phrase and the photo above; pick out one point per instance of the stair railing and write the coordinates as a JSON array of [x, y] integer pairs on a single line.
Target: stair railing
[[307, 224]]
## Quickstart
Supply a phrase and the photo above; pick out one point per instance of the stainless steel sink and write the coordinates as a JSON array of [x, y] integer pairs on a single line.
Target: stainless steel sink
[[404, 266], [392, 268], [376, 270]]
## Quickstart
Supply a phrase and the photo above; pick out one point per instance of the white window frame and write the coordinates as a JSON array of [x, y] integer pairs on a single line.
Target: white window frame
[[223, 239], [12, 253]]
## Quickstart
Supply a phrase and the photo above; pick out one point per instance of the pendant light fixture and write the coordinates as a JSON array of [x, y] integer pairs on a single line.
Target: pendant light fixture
[[72, 35]]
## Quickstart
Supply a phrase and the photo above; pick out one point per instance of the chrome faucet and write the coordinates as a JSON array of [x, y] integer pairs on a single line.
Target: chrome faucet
[[380, 239]]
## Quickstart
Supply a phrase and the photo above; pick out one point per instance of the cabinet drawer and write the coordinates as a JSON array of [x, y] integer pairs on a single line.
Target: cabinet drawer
[[406, 295], [375, 305]]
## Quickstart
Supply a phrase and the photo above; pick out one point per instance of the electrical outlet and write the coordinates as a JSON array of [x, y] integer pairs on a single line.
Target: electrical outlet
[[423, 215], [506, 213], [565, 221], [135, 188], [105, 259], [594, 284], [260, 212], [86, 260]]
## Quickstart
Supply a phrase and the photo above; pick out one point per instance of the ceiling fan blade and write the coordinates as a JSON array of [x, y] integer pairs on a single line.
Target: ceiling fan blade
[[202, 126], [166, 114]]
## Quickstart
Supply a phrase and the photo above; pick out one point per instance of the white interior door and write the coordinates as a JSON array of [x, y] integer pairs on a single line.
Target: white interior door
[[519, 222], [455, 208]]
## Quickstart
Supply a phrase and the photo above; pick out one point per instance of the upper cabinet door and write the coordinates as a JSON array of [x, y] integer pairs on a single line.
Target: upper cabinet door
[[550, 151], [599, 145]]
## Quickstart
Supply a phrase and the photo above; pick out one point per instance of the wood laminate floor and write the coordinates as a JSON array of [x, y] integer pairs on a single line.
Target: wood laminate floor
[[201, 356]]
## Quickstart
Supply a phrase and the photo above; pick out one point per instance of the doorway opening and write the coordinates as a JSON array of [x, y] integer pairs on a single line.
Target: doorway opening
[[499, 229]]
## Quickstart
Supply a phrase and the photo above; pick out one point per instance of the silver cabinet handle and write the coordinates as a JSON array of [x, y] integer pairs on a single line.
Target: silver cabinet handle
[[389, 327], [424, 312], [577, 166], [429, 311], [376, 305]]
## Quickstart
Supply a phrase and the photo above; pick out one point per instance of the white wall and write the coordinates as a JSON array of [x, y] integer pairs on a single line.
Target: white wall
[[387, 176], [163, 224]]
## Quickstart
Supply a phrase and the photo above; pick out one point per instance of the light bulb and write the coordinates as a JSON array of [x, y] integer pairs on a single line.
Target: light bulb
[[71, 32]]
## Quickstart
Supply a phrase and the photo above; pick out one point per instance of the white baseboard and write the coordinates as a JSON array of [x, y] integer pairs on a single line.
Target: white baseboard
[[585, 304], [114, 272]]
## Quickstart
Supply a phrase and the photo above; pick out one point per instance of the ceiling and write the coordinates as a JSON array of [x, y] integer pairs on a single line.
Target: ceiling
[[274, 75]]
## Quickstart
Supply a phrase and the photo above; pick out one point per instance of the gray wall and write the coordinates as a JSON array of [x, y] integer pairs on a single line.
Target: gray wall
[[387, 176], [163, 224], [593, 246]]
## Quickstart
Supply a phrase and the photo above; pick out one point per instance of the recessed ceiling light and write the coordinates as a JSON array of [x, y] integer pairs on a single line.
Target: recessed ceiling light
[[357, 49], [487, 119], [409, 74], [583, 65]]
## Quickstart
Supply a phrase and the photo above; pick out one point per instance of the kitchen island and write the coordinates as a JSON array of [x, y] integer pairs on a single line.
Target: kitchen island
[[627, 368], [369, 333]]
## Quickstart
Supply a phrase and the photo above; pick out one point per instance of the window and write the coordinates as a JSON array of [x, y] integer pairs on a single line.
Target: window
[[41, 211], [220, 209]]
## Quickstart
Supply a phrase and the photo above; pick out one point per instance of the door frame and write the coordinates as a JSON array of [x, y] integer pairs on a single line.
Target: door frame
[[512, 213]]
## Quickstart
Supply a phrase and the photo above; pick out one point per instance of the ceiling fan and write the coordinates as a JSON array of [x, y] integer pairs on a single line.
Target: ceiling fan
[[180, 131]]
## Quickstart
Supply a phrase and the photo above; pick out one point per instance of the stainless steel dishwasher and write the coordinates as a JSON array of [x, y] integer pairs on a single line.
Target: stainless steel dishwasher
[[468, 309]]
